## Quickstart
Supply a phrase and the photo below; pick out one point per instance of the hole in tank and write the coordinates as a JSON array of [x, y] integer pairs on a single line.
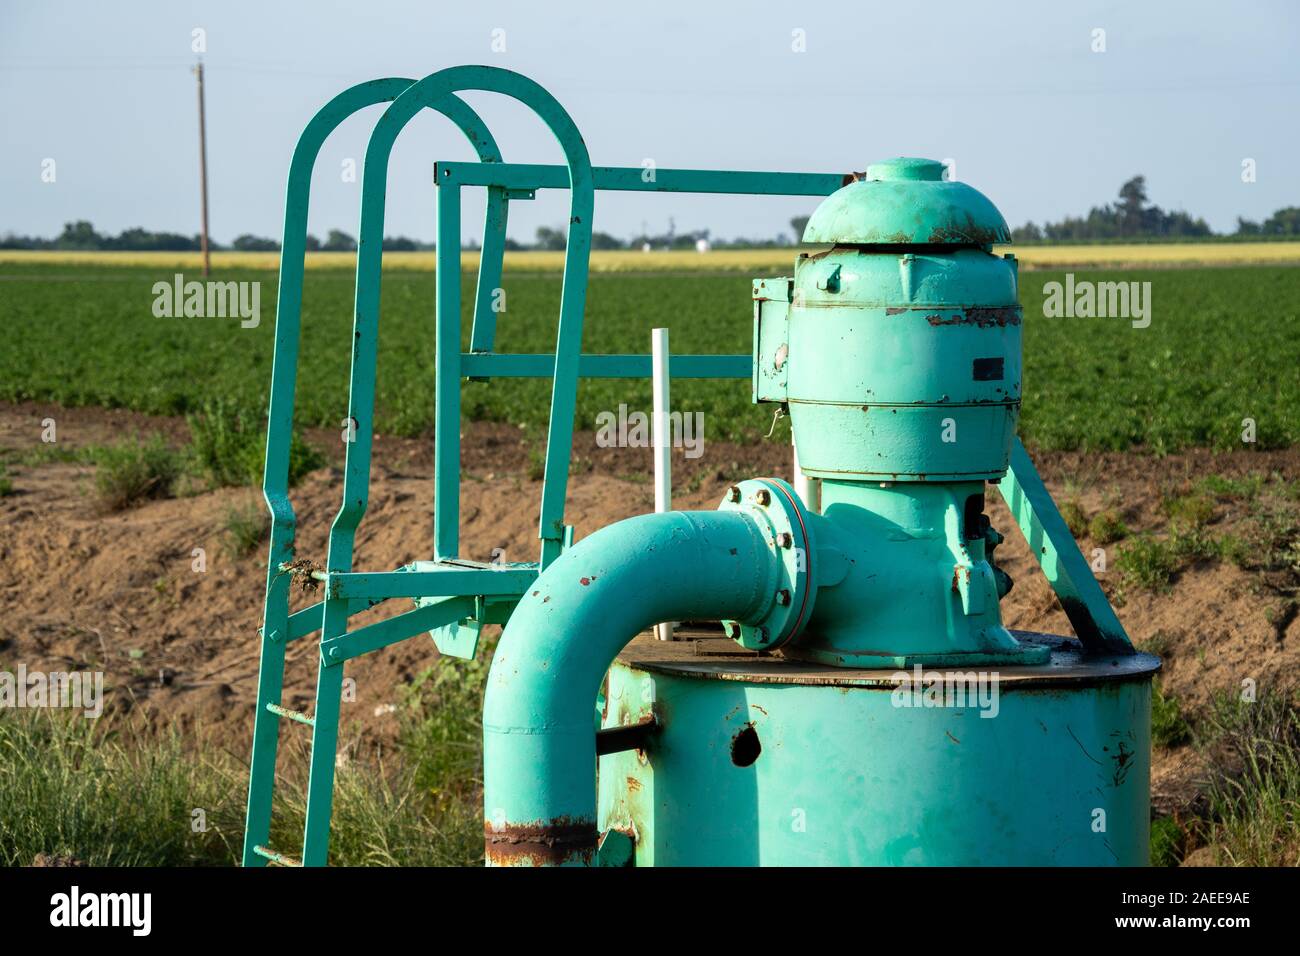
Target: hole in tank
[[974, 521], [745, 747]]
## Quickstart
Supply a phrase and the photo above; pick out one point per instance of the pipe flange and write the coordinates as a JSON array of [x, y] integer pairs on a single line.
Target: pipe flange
[[775, 507]]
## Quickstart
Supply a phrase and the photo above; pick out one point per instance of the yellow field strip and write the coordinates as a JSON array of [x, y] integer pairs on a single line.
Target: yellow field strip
[[1136, 255]]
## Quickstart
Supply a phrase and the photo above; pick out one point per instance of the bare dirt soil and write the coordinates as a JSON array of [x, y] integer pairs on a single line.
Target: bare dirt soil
[[86, 590]]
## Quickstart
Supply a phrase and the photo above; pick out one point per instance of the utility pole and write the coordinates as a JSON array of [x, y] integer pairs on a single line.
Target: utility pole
[[203, 169]]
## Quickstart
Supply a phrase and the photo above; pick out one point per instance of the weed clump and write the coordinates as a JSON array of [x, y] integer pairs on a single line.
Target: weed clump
[[1190, 511], [228, 447], [1107, 527], [1076, 519], [1168, 726], [247, 526], [1147, 562], [135, 471]]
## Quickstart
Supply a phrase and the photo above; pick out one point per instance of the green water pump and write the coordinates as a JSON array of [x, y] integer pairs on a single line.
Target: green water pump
[[897, 353], [883, 714]]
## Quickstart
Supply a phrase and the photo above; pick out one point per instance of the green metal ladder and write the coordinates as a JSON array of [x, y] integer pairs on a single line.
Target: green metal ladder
[[455, 597]]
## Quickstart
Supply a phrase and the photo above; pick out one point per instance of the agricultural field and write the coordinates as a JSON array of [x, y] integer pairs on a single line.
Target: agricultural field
[[1221, 347], [1137, 431]]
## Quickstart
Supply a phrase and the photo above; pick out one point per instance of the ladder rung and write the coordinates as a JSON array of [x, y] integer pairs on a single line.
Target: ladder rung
[[278, 858], [291, 714]]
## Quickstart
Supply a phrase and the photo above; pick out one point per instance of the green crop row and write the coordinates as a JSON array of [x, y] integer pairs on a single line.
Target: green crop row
[[1222, 346]]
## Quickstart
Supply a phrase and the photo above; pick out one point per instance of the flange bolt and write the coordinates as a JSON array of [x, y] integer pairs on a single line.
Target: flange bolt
[[733, 494], [783, 597], [785, 540], [763, 497]]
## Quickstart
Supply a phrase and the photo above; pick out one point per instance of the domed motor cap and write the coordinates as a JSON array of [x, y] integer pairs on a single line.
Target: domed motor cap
[[907, 202]]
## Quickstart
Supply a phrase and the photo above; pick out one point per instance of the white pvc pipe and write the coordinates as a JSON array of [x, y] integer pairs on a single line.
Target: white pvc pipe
[[662, 439], [808, 489]]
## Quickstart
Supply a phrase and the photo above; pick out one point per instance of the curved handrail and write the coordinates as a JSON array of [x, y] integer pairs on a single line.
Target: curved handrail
[[284, 375], [369, 262], [288, 315], [431, 90]]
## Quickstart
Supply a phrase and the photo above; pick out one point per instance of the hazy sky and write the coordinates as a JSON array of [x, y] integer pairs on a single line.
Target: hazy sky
[[1013, 92]]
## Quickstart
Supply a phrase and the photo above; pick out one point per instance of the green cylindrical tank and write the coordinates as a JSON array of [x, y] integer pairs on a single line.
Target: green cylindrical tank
[[763, 762]]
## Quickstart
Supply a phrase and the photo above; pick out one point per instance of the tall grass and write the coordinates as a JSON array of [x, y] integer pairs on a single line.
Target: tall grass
[[103, 794], [442, 737], [1254, 783], [381, 815], [99, 793], [68, 789]]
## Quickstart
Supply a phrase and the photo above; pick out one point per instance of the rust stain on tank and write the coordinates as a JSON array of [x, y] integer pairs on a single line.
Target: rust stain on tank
[[1121, 759], [558, 842], [984, 318], [969, 232]]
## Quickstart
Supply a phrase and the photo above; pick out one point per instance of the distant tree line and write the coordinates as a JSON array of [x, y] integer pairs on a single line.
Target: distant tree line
[[1132, 217], [81, 236]]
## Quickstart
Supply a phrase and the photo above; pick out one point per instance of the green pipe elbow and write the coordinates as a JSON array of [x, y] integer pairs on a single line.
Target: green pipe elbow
[[539, 743]]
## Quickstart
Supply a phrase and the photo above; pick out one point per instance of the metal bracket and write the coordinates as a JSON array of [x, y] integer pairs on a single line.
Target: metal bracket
[[612, 740], [1058, 554], [771, 339]]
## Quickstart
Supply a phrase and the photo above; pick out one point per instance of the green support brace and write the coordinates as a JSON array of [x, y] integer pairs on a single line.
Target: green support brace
[[394, 629], [1063, 565]]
